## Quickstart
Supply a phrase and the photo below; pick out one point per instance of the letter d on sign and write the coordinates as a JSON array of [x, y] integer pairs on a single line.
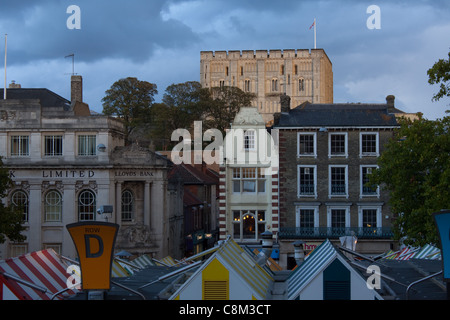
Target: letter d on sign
[[94, 242]]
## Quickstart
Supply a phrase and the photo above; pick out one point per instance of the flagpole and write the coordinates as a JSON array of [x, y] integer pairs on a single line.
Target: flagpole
[[6, 43], [315, 27]]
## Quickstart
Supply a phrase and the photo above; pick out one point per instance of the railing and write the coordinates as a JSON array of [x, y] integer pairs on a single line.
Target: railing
[[325, 232]]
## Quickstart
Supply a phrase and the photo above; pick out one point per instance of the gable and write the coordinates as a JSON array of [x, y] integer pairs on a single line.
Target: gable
[[336, 282], [215, 281]]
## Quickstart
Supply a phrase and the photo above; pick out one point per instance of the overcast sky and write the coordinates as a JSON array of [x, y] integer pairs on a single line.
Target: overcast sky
[[160, 41]]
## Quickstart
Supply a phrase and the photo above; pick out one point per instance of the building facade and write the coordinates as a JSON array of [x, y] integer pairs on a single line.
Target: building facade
[[304, 75], [68, 165], [248, 189], [327, 153]]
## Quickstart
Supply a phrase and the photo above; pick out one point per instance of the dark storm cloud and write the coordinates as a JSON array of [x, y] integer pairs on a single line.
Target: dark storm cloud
[[109, 29]]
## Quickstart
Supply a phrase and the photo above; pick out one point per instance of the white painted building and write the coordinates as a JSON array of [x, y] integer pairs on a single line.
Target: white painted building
[[248, 186], [68, 164]]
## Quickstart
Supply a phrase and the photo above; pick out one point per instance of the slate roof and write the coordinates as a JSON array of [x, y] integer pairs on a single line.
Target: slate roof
[[48, 99], [338, 114]]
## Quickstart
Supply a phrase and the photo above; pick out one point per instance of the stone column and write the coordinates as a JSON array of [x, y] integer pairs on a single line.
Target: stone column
[[147, 205], [69, 215], [34, 237], [118, 204]]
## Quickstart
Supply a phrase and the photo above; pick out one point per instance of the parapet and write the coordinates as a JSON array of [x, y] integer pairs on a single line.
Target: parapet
[[260, 54]]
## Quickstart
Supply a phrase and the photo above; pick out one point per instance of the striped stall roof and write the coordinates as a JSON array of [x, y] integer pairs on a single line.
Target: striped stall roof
[[118, 271], [258, 279], [428, 252], [143, 261], [317, 261], [43, 269]]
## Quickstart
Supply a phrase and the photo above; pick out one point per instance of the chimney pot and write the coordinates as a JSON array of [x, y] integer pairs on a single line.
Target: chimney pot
[[390, 101]]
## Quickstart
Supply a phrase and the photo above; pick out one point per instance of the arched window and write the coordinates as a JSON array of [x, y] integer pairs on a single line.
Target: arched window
[[19, 199], [127, 205], [301, 85], [53, 206], [248, 224], [86, 205]]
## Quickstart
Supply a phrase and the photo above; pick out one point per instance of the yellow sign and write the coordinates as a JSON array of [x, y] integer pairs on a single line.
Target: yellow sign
[[94, 242]]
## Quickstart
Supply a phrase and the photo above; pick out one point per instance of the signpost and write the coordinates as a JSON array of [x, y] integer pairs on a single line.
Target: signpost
[[94, 242], [442, 220]]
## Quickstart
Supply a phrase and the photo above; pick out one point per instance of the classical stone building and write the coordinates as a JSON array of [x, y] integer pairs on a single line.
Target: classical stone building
[[327, 153], [304, 75], [69, 165]]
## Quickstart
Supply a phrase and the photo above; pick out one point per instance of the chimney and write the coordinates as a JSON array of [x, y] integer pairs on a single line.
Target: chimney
[[390, 102], [267, 244], [285, 102], [76, 89], [299, 252]]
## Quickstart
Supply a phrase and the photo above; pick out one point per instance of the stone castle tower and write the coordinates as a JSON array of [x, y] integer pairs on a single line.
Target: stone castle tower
[[302, 74]]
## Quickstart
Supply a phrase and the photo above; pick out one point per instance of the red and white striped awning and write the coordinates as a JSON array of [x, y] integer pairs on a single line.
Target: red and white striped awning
[[34, 276]]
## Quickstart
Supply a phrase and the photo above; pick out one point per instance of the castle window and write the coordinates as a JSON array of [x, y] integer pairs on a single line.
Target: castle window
[[301, 85], [274, 85], [247, 86]]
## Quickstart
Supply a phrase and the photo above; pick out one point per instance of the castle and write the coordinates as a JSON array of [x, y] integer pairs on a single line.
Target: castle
[[304, 75]]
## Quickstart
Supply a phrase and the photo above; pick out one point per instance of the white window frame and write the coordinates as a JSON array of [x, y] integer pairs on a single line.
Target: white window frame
[[330, 195], [377, 141], [361, 184], [345, 207], [250, 134], [54, 138], [21, 139], [345, 134], [314, 154], [370, 207], [89, 136], [240, 223], [259, 177], [299, 195], [301, 207]]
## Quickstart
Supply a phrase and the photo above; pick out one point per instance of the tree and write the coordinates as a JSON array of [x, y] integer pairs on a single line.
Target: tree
[[180, 107], [223, 104], [130, 100], [415, 168], [184, 103], [11, 219], [440, 74]]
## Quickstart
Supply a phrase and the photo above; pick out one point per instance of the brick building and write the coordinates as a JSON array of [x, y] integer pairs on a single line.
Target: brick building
[[327, 152]]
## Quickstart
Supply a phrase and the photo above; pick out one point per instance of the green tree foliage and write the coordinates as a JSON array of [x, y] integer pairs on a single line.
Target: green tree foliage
[[440, 74], [223, 105], [130, 100], [11, 219], [415, 168], [187, 102]]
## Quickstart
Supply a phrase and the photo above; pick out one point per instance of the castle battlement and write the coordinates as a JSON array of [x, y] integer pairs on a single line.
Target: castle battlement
[[261, 54]]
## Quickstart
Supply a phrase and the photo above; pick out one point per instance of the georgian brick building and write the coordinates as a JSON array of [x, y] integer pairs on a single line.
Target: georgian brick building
[[327, 152]]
